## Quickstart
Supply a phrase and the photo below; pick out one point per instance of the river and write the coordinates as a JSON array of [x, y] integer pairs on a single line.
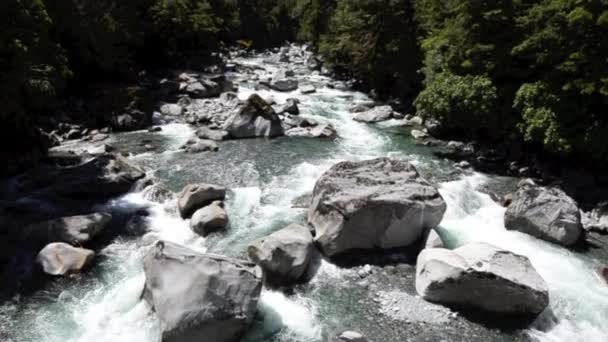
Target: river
[[264, 178]]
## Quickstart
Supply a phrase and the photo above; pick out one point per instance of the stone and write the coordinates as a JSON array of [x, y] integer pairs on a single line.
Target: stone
[[282, 82], [308, 89], [171, 109], [200, 145], [318, 131], [59, 259], [597, 219], [75, 230], [209, 219], [200, 297], [290, 107], [284, 255], [483, 278], [350, 336], [546, 213], [359, 109], [132, 121], [417, 134], [256, 119], [374, 204], [104, 176], [211, 134], [433, 240], [376, 114], [73, 134], [196, 196]]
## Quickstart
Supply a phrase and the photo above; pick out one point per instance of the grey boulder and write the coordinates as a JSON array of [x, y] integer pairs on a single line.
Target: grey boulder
[[211, 134], [196, 196], [376, 114], [481, 277], [209, 219], [75, 230], [171, 109], [308, 89], [200, 297], [255, 119], [289, 107], [374, 204], [60, 259], [318, 131], [284, 255], [200, 145], [282, 81], [546, 213]]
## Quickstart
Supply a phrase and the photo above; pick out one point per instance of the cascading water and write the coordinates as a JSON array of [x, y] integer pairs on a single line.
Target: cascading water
[[265, 178]]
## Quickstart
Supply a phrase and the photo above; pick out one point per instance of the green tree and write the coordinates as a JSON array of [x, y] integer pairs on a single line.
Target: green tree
[[375, 41], [463, 104]]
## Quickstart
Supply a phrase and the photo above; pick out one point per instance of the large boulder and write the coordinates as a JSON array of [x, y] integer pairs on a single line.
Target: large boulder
[[546, 213], [380, 203], [284, 255], [209, 219], [376, 114], [62, 259], [196, 196], [282, 81], [75, 230], [482, 278], [131, 121], [103, 176], [255, 119], [200, 297]]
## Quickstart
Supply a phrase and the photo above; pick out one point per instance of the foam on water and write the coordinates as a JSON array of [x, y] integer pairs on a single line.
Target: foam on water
[[578, 300]]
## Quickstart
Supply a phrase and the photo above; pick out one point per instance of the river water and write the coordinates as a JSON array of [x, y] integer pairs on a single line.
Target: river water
[[264, 178]]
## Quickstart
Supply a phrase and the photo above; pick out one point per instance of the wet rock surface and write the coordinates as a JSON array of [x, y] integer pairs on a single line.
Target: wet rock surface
[[374, 204]]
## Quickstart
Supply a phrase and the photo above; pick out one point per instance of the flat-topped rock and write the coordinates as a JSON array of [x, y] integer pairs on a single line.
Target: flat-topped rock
[[374, 204]]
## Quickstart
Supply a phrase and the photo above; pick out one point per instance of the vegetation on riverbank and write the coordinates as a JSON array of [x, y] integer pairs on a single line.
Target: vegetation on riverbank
[[486, 69]]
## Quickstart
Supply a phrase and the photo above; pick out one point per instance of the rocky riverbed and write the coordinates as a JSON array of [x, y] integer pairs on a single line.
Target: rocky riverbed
[[232, 156]]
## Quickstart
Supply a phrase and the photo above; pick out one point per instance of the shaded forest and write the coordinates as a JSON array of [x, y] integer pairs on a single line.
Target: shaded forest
[[525, 71]]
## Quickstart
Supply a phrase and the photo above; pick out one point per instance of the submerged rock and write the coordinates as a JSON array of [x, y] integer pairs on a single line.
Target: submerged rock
[[75, 230], [381, 203], [196, 196], [482, 278], [209, 219], [546, 213], [60, 259], [284, 255], [200, 145], [255, 119], [376, 114], [200, 297]]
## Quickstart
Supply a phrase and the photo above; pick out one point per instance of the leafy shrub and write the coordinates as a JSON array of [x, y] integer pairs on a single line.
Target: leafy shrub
[[464, 104]]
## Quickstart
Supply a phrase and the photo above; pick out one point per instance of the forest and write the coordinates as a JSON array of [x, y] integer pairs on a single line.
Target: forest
[[528, 71]]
